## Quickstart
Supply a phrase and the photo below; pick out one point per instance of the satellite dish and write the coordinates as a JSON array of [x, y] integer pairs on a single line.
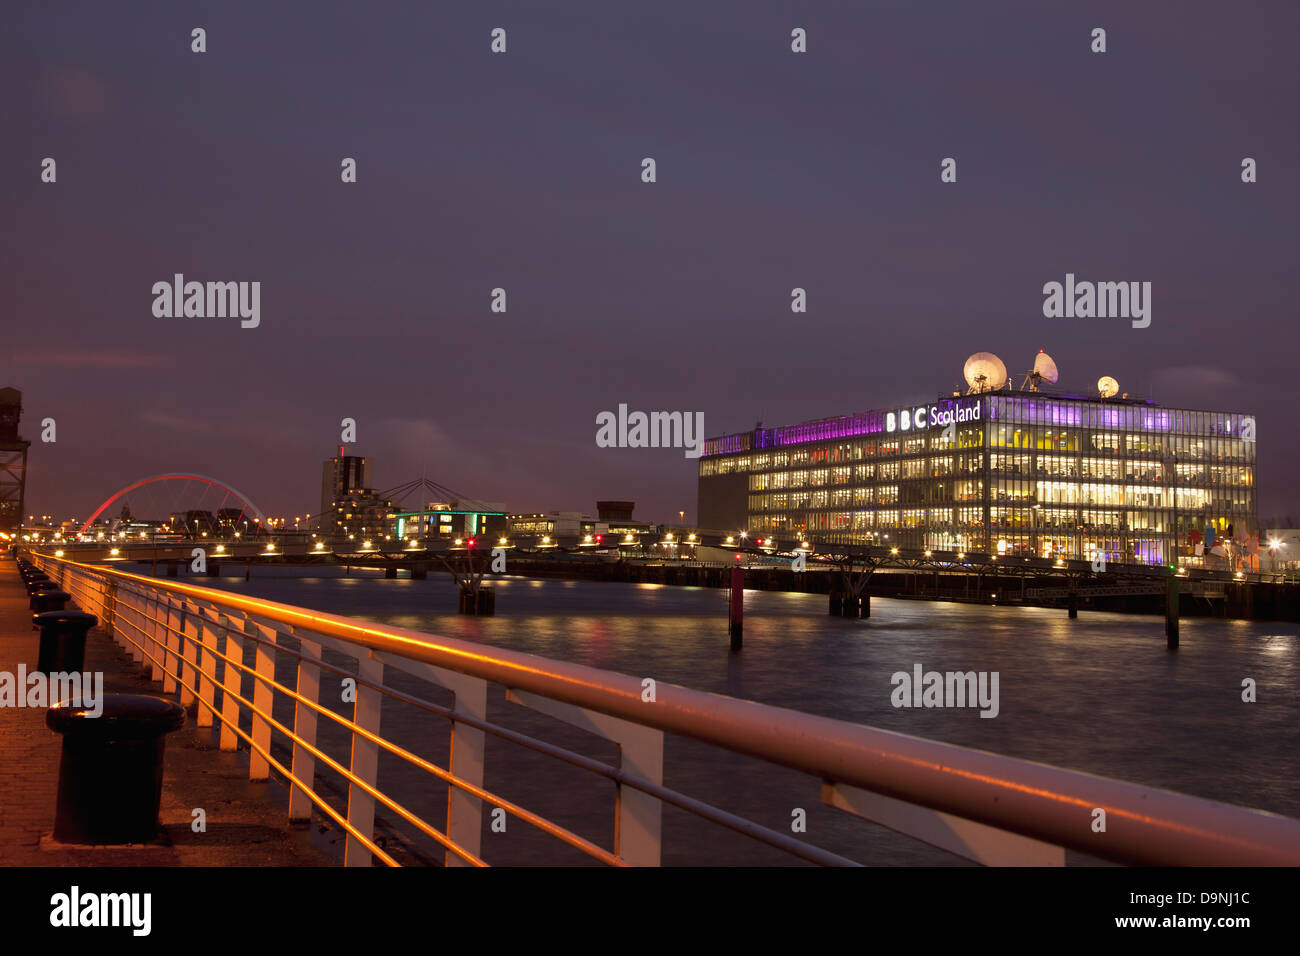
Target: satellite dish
[[1107, 386], [984, 372], [1044, 370]]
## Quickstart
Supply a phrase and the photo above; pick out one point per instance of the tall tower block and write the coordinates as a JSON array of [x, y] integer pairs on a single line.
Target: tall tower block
[[13, 461]]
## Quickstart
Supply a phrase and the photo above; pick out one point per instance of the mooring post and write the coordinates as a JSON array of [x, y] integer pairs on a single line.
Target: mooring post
[[736, 608], [1171, 613]]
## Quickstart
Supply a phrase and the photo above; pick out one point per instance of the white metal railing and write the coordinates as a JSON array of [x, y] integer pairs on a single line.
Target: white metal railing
[[985, 807]]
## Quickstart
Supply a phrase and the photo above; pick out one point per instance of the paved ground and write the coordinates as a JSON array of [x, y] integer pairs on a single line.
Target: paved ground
[[246, 822]]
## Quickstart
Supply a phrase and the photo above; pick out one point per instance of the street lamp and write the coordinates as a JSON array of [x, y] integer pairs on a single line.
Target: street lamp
[[1274, 545]]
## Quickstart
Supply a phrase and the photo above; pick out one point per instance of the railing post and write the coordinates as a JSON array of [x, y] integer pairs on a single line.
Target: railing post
[[258, 767], [974, 841], [469, 698], [189, 652], [171, 634], [638, 820], [139, 632], [464, 810], [365, 760], [208, 671], [124, 600], [110, 612], [153, 609], [233, 682], [304, 729]]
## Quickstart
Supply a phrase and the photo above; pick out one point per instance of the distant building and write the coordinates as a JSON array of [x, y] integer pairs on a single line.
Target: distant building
[[615, 510], [443, 519], [348, 505], [551, 523], [1008, 472], [1280, 549], [193, 523], [234, 519], [613, 518], [341, 476], [13, 461]]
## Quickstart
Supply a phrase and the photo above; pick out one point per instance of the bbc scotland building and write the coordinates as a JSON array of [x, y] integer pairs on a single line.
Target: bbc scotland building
[[1018, 472]]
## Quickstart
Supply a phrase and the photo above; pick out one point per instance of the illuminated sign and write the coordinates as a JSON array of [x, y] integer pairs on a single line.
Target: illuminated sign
[[957, 412], [925, 416]]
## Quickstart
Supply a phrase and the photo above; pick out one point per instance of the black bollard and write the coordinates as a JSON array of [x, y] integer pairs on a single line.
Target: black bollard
[[110, 770], [63, 640], [43, 601], [40, 589]]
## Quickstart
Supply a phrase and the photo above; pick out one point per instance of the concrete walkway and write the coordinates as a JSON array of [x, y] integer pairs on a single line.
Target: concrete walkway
[[246, 822]]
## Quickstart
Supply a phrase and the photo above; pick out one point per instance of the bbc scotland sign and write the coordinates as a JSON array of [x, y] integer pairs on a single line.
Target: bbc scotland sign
[[920, 417]]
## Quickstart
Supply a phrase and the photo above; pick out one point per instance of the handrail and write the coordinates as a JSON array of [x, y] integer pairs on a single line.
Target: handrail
[[1145, 825]]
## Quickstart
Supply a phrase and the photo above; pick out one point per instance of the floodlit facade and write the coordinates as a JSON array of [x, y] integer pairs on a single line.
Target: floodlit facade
[[1007, 472]]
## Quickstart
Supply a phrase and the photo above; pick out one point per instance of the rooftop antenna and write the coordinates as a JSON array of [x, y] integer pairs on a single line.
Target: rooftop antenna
[[1044, 370], [984, 372]]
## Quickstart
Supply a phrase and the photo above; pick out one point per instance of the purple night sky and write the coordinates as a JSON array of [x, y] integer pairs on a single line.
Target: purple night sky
[[522, 171]]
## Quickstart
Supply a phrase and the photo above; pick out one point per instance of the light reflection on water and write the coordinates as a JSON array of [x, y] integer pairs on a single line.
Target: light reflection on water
[[1100, 694]]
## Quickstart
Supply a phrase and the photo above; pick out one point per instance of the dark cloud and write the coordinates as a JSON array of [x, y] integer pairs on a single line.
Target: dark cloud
[[522, 171]]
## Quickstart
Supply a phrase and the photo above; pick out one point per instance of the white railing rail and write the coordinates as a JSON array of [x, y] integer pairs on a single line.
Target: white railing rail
[[985, 807]]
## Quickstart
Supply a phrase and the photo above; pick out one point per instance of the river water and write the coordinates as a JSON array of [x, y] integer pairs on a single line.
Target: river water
[[1099, 694]]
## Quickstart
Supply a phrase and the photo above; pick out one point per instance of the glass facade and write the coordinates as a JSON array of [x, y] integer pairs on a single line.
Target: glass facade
[[1006, 472]]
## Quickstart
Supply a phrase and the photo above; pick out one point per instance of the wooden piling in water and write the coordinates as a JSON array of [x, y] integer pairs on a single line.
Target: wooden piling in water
[[1171, 613], [736, 609]]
